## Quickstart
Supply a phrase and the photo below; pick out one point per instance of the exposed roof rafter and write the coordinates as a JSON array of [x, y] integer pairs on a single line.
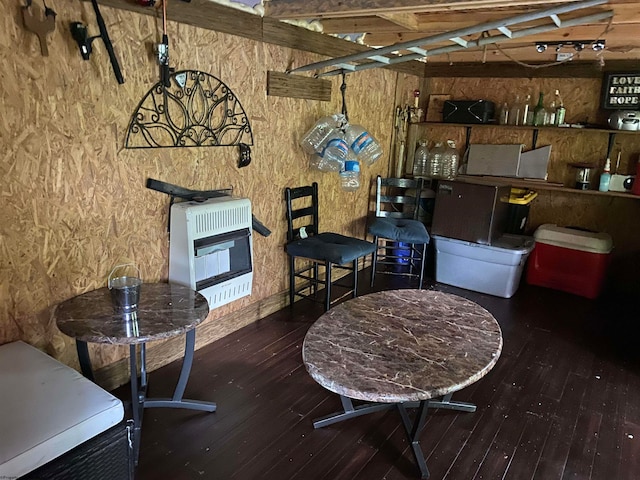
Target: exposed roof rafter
[[385, 56]]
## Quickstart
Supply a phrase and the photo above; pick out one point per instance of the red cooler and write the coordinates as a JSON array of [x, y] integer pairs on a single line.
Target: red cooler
[[570, 260]]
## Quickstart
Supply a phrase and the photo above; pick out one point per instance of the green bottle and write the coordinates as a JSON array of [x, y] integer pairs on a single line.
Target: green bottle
[[539, 113]]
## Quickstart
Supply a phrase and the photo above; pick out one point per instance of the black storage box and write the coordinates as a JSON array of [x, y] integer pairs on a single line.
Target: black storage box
[[471, 212], [468, 111]]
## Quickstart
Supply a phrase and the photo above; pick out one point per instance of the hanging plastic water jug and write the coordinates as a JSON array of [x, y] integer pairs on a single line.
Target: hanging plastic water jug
[[363, 144], [314, 139], [350, 176], [333, 154]]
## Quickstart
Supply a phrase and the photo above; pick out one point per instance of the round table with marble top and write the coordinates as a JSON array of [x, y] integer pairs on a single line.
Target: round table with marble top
[[164, 310], [401, 348]]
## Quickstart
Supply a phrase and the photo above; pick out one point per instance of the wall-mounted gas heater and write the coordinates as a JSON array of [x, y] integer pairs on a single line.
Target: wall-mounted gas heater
[[211, 248]]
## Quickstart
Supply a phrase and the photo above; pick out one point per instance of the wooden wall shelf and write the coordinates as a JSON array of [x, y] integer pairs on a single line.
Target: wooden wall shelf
[[540, 185], [415, 129], [528, 127]]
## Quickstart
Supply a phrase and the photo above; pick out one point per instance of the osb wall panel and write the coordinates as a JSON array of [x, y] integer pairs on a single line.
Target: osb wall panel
[[581, 96], [616, 216], [75, 202]]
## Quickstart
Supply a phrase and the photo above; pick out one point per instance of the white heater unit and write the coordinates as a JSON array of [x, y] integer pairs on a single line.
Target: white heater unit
[[211, 248]]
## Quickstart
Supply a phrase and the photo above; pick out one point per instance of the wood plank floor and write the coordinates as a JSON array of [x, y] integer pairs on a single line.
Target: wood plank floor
[[563, 402]]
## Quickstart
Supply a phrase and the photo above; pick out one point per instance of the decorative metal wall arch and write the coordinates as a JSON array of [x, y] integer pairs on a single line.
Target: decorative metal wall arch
[[196, 110]]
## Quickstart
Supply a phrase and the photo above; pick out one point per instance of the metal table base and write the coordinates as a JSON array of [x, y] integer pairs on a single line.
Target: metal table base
[[413, 428], [139, 400]]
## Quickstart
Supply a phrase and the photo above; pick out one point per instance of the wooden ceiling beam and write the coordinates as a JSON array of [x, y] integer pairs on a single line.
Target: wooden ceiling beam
[[360, 25], [296, 9], [213, 16], [408, 21]]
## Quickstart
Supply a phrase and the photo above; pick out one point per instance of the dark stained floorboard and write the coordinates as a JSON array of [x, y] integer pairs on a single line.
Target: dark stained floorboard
[[563, 402]]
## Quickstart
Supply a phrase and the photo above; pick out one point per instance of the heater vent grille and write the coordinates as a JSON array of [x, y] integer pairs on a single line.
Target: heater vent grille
[[212, 220], [226, 293]]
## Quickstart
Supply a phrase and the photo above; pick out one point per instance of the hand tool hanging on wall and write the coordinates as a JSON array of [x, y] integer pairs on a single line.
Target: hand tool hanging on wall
[[41, 26], [79, 33]]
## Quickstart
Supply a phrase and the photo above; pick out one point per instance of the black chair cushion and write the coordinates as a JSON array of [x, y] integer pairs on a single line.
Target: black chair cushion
[[331, 247], [400, 229]]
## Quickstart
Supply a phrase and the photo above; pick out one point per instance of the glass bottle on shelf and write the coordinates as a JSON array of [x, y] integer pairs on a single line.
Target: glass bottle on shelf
[[527, 111], [560, 110], [450, 161], [551, 114], [421, 159], [539, 113], [503, 116], [515, 111]]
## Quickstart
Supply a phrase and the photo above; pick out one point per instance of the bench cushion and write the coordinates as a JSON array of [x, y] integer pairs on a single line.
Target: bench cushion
[[47, 409]]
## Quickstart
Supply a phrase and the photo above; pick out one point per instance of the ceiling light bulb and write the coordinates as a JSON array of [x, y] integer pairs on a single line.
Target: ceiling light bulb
[[541, 47]]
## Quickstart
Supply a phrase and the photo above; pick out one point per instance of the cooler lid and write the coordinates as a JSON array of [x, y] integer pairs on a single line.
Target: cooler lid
[[572, 238]]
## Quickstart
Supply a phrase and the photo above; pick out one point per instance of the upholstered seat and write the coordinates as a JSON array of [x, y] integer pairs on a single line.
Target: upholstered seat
[[400, 229], [330, 249], [400, 238]]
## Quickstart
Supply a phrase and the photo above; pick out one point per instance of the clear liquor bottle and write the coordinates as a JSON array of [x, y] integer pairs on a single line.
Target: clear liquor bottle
[[527, 111], [515, 112]]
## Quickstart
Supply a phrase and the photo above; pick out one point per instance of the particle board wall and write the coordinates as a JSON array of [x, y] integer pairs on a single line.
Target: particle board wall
[[74, 200]]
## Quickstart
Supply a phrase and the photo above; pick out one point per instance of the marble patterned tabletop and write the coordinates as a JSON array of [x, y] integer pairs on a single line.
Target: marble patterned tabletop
[[401, 346], [165, 310]]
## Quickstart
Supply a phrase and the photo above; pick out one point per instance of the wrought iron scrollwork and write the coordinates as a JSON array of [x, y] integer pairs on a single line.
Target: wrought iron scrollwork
[[195, 110]]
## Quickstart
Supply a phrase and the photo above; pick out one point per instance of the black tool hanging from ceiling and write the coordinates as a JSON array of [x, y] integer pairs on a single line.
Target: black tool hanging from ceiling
[[80, 35], [189, 108]]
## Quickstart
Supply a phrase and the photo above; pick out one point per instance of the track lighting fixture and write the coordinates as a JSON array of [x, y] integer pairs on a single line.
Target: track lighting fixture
[[577, 45]]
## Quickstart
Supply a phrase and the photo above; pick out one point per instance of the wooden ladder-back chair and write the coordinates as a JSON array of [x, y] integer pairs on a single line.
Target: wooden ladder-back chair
[[401, 239], [315, 248]]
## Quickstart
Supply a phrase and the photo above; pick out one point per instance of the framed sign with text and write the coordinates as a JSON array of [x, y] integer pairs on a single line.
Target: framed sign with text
[[621, 91]]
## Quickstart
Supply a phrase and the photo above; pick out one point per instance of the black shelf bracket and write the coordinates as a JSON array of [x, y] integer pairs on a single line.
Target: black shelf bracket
[[534, 141], [467, 138], [612, 138]]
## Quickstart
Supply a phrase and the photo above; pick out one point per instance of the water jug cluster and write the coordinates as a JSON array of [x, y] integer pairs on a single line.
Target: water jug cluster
[[441, 161], [335, 145]]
